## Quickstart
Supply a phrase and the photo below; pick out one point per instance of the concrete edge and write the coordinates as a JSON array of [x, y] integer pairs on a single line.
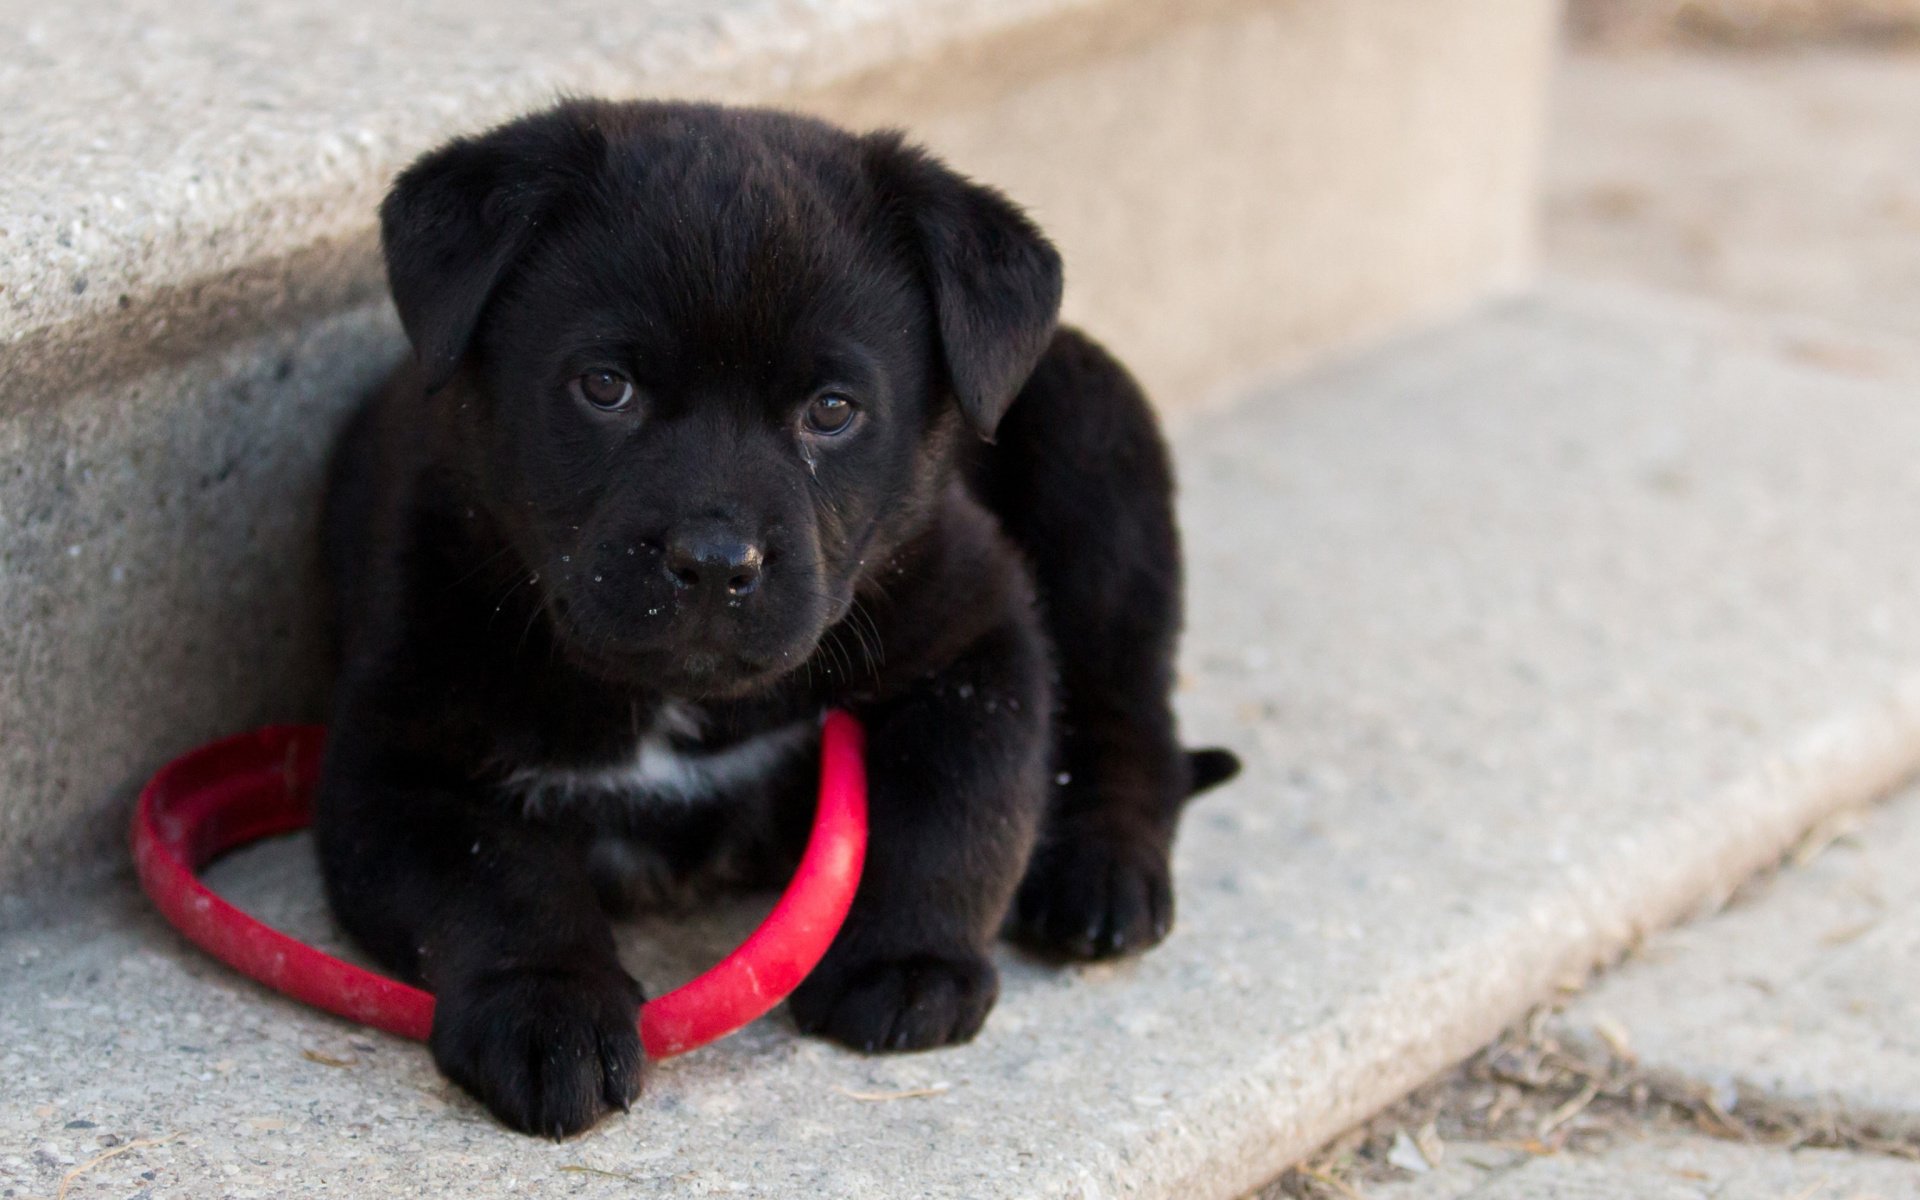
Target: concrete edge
[[1417, 1028], [185, 292], [1810, 339]]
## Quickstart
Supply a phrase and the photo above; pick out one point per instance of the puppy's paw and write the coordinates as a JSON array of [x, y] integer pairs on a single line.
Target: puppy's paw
[[897, 1004], [1094, 896], [547, 1051]]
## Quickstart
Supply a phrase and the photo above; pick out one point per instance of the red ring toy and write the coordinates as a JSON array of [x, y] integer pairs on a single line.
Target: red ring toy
[[225, 795]]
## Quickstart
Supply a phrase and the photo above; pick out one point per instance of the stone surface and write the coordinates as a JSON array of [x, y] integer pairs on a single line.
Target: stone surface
[[155, 146], [1533, 631], [1784, 183], [159, 560], [1781, 183], [172, 183], [1671, 1169], [1802, 994], [1235, 183]]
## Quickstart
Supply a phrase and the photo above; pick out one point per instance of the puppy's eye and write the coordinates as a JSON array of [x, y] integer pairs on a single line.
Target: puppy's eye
[[829, 413], [608, 390]]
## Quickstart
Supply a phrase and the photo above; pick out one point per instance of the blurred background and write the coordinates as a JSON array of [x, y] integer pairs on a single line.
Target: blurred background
[[1759, 151], [1746, 24]]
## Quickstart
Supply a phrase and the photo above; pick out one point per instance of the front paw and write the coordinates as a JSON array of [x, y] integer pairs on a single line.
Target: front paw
[[897, 1004], [1094, 896], [547, 1051]]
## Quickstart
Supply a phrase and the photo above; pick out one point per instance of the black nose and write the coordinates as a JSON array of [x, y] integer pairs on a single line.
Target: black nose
[[714, 559]]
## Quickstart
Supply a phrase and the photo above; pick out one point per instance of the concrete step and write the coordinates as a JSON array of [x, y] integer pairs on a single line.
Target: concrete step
[[1775, 183], [1764, 1049], [1800, 998], [189, 294], [1537, 632]]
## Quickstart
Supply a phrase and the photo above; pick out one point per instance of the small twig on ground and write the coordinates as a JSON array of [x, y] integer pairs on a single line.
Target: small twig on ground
[[1571, 1109], [583, 1169], [328, 1060], [1533, 1094], [66, 1181], [1332, 1183]]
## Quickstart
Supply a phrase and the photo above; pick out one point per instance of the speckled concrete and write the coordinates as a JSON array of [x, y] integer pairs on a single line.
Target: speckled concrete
[[1235, 184], [158, 577], [154, 149], [1534, 631], [1679, 1168], [180, 174]]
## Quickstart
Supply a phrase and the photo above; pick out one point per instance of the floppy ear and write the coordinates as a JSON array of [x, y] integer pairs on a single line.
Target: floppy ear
[[993, 276], [459, 216]]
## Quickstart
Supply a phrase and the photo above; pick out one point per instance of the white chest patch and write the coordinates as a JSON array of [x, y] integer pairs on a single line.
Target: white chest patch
[[658, 772]]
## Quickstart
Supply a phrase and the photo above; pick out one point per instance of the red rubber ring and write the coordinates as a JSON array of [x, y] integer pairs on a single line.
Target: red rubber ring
[[232, 792]]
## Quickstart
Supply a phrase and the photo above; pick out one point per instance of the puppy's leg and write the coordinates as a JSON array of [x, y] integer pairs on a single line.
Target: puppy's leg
[[957, 783], [1079, 477], [533, 1013]]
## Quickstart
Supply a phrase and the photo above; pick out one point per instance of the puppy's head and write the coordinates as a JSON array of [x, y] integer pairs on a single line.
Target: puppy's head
[[709, 366]]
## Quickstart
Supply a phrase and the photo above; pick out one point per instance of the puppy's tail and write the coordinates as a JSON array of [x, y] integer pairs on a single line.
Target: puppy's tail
[[1209, 768]]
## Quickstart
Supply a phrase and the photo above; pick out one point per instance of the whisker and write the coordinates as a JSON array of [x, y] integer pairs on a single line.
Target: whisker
[[500, 601], [482, 565]]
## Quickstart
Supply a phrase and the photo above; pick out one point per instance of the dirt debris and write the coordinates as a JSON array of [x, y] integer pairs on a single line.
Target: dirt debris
[[1535, 1092], [71, 1177]]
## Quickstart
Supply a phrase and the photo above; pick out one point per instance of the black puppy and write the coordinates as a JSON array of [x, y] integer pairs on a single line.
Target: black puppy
[[720, 418]]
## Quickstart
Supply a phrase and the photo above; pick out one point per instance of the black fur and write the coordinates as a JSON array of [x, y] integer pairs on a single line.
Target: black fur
[[528, 585]]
